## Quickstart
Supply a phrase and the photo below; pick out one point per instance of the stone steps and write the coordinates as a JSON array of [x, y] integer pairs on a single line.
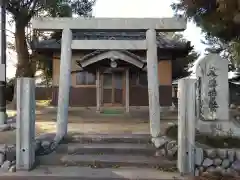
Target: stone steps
[[105, 148], [104, 161], [131, 155], [86, 173], [108, 138]]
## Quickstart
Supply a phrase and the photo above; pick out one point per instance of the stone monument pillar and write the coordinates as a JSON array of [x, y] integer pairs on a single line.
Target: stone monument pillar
[[212, 73], [213, 96]]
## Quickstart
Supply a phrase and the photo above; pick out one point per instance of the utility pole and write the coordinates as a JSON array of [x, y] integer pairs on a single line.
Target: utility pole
[[2, 62]]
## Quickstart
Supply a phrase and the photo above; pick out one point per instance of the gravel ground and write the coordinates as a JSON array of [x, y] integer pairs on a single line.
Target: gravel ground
[[87, 121]]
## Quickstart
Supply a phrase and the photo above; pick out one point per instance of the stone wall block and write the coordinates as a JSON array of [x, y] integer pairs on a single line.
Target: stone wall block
[[211, 153], [199, 156], [197, 172], [6, 165], [2, 158], [222, 153], [231, 155], [236, 165], [160, 142], [217, 161], [226, 163], [238, 155], [3, 148], [211, 169], [207, 162]]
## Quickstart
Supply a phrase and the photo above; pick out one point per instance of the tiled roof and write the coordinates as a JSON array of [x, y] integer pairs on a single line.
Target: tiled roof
[[163, 41]]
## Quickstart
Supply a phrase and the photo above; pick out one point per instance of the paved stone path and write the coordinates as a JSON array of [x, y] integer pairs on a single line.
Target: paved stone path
[[86, 173], [37, 178], [67, 178]]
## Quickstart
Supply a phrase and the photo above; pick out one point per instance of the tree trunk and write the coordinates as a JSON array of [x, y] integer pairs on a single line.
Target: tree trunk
[[25, 68], [13, 104]]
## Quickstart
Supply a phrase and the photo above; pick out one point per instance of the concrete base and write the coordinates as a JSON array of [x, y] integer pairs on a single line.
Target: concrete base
[[3, 118], [167, 108], [157, 141], [107, 148], [5, 127], [109, 160]]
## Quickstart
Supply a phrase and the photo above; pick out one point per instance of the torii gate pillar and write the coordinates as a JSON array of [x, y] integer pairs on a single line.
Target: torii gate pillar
[[64, 84], [153, 84]]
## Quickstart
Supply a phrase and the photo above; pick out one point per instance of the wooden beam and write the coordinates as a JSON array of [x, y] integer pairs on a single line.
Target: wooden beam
[[109, 44], [108, 24], [127, 91], [98, 91], [112, 54]]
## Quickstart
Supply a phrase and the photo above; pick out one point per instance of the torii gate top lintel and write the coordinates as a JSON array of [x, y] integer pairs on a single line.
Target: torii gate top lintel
[[138, 24]]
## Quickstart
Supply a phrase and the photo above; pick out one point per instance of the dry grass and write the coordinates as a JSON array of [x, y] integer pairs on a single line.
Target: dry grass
[[43, 103], [9, 137], [11, 113], [212, 141], [83, 121], [46, 123], [40, 104]]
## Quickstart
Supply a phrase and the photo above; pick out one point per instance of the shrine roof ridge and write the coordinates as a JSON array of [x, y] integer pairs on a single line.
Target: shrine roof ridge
[[163, 41]]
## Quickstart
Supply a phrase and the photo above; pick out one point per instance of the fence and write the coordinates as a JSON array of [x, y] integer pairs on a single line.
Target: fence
[[41, 93]]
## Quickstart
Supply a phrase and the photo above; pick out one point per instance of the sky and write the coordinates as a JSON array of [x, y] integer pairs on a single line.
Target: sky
[[146, 8], [130, 8]]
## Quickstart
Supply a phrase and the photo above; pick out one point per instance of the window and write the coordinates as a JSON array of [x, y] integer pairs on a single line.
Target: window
[[142, 79], [139, 78], [85, 78], [134, 78], [107, 80]]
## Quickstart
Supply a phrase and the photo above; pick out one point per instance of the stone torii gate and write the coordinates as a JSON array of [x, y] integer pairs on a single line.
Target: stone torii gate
[[149, 25]]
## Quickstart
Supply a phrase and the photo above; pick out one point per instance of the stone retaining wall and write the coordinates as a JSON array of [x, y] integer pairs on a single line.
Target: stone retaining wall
[[207, 160], [44, 144], [224, 161], [7, 158]]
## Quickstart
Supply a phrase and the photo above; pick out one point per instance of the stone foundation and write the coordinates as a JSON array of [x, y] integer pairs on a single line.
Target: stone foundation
[[7, 158], [207, 160], [43, 145], [166, 147], [224, 161]]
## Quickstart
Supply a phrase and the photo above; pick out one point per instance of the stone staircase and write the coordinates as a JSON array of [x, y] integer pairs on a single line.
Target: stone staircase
[[107, 157]]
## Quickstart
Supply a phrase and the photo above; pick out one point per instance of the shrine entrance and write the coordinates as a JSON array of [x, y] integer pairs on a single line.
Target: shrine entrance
[[113, 88], [148, 45]]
